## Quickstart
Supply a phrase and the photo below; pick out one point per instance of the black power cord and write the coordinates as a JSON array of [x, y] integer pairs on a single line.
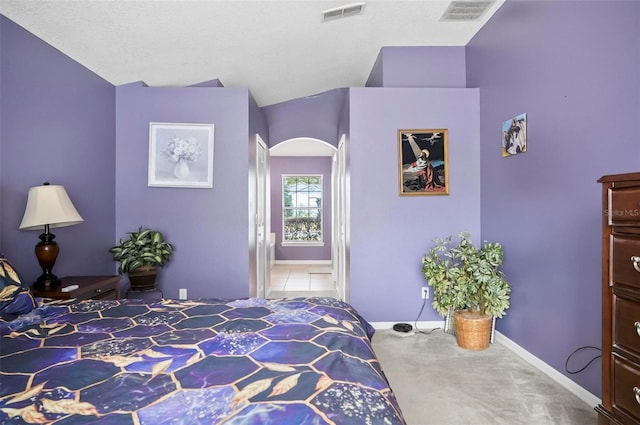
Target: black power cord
[[586, 347], [415, 323], [406, 328]]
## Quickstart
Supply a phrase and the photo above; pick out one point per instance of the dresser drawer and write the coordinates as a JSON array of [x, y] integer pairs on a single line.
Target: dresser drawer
[[87, 287], [624, 206], [626, 388], [97, 294], [626, 333], [625, 261]]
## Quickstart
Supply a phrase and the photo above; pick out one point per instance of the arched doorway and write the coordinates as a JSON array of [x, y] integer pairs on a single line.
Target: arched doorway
[[305, 269]]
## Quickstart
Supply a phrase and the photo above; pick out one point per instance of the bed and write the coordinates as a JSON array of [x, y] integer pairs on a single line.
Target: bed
[[213, 361]]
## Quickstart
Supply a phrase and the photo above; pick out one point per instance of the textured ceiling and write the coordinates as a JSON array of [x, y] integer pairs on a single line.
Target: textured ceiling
[[279, 50]]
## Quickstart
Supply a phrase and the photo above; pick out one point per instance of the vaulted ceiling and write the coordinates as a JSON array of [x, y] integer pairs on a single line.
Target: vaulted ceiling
[[279, 50]]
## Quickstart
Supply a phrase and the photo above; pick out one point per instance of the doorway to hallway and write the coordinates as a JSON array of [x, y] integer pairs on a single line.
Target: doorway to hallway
[[311, 272]]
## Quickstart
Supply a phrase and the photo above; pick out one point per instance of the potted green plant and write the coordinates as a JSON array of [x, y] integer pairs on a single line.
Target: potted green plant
[[467, 280], [141, 255]]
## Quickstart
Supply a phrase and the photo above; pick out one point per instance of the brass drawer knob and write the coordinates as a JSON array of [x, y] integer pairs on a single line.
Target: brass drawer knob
[[99, 291], [637, 325], [636, 261], [636, 392]]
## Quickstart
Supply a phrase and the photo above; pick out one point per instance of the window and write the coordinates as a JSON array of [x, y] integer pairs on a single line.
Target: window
[[302, 209]]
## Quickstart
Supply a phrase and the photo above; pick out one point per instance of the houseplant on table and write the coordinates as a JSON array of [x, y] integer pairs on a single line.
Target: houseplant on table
[[468, 281], [141, 255]]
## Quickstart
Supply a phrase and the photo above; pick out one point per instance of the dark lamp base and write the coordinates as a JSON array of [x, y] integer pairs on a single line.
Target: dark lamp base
[[47, 282], [46, 253]]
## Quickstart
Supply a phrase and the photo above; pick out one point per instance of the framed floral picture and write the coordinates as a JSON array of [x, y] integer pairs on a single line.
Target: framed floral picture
[[180, 155], [422, 162]]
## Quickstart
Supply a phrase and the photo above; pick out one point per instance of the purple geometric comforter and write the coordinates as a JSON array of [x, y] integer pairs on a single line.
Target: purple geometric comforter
[[246, 361]]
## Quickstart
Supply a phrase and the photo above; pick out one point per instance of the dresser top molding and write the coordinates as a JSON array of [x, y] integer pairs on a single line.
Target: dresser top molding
[[619, 177]]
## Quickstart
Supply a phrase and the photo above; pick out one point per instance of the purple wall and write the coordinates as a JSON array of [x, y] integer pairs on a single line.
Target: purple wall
[[209, 227], [419, 66], [300, 165], [574, 71], [390, 233], [316, 117], [58, 125], [343, 120], [376, 76]]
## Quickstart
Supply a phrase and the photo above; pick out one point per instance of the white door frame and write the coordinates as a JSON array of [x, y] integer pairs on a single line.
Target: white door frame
[[262, 225], [339, 210], [341, 258]]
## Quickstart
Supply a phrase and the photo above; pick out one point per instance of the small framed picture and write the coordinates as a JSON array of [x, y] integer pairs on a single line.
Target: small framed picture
[[180, 155], [422, 162], [514, 135]]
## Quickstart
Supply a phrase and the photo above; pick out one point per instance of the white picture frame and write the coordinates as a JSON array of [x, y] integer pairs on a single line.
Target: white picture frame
[[180, 155]]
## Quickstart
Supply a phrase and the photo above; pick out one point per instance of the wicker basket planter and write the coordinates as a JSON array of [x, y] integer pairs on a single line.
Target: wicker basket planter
[[473, 329]]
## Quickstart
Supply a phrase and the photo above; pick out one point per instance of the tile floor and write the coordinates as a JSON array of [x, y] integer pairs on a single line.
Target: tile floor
[[301, 280]]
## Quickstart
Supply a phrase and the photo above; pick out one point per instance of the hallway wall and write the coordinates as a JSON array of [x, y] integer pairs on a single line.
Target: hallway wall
[[280, 165]]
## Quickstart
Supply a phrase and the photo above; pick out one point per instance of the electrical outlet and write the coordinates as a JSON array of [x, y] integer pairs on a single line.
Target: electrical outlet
[[182, 293], [425, 292]]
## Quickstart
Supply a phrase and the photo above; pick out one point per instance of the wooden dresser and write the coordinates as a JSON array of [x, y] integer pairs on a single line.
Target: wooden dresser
[[620, 300]]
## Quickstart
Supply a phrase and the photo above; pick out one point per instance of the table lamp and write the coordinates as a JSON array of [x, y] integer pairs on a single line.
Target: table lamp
[[48, 206]]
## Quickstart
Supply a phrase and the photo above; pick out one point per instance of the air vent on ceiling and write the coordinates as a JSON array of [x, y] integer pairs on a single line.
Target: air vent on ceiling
[[343, 11], [466, 10]]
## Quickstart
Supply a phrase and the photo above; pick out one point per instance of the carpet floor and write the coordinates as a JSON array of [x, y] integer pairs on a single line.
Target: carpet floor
[[438, 383]]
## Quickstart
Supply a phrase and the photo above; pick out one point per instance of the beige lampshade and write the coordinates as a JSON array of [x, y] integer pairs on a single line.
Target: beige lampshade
[[49, 204]]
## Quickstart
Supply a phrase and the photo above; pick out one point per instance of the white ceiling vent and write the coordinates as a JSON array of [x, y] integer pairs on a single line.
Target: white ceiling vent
[[343, 11], [466, 10]]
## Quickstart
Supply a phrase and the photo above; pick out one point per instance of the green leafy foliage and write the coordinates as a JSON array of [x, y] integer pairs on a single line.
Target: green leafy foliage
[[302, 229], [144, 248], [463, 276]]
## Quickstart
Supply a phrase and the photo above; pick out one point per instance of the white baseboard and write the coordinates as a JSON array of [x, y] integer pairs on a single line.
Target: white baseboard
[[420, 325], [558, 377], [304, 262]]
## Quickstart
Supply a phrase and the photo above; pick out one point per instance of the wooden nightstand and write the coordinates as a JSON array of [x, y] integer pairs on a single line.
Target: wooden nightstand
[[89, 287]]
